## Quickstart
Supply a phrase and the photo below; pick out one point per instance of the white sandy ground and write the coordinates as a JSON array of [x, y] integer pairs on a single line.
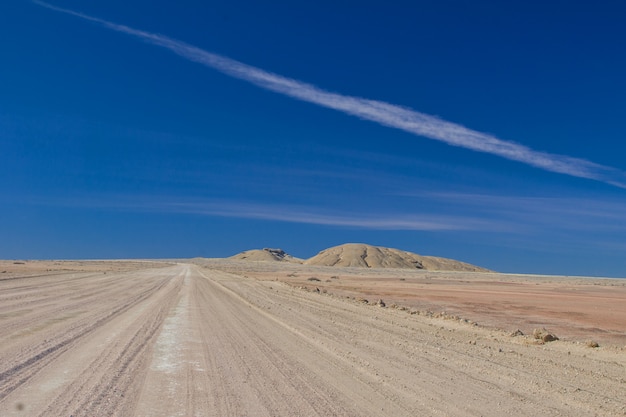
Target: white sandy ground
[[187, 340]]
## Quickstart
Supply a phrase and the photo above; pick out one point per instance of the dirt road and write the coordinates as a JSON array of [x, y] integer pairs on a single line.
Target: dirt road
[[184, 340]]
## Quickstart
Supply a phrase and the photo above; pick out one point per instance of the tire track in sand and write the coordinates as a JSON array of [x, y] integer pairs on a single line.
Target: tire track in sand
[[99, 356]]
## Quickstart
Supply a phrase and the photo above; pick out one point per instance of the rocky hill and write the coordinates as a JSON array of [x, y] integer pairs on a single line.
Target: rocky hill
[[266, 254], [362, 255], [368, 256]]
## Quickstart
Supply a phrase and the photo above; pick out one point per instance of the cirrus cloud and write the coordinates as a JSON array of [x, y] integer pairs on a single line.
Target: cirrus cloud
[[386, 114]]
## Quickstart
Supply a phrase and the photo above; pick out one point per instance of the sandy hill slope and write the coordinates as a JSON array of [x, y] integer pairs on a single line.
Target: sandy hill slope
[[266, 255], [368, 256]]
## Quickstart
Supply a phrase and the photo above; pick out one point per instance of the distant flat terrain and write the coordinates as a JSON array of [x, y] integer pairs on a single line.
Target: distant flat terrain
[[577, 309], [215, 337]]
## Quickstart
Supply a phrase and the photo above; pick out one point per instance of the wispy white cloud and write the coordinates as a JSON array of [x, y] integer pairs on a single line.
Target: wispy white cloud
[[307, 215], [537, 212], [287, 213], [386, 114]]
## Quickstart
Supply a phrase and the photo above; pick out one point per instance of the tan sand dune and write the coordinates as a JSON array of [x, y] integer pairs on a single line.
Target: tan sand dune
[[368, 256]]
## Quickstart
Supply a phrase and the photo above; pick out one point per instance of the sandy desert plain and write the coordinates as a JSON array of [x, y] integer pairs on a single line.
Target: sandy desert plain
[[229, 337]]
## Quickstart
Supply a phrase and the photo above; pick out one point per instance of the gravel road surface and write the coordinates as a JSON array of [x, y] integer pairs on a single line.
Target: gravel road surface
[[183, 340]]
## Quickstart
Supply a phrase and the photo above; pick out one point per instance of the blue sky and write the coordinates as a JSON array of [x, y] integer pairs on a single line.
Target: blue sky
[[490, 132]]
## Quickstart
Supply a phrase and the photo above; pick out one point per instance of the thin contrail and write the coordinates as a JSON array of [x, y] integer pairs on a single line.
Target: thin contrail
[[377, 111]]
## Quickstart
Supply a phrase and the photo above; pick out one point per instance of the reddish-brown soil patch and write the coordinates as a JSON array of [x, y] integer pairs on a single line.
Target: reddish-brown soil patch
[[577, 309]]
